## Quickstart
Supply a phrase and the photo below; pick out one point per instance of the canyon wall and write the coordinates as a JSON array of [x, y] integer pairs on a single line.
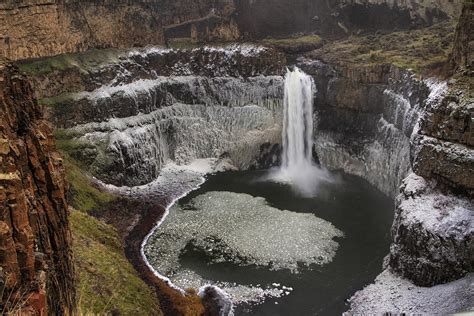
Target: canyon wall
[[36, 269], [396, 130], [336, 18], [367, 129], [165, 105], [38, 28]]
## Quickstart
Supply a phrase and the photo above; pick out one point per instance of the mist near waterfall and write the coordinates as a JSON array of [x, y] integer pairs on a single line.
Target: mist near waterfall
[[298, 168]]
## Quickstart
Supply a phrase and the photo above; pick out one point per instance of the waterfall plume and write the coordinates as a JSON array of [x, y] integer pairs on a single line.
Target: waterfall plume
[[297, 121], [297, 166]]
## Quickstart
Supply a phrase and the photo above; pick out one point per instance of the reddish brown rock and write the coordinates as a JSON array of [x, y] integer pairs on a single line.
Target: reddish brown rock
[[35, 253]]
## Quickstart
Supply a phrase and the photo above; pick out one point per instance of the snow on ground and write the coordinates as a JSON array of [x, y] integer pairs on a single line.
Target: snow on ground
[[393, 294]]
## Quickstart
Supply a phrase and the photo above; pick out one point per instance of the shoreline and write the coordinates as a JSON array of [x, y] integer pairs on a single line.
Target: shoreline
[[153, 230], [137, 214]]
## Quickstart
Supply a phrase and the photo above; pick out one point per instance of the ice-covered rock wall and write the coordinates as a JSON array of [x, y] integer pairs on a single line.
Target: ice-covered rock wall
[[147, 95], [164, 105], [365, 120], [393, 129], [133, 150]]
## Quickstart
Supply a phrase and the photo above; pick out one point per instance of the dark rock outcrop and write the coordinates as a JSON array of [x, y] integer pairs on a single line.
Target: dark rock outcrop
[[461, 57], [35, 253], [432, 234], [365, 119], [36, 28]]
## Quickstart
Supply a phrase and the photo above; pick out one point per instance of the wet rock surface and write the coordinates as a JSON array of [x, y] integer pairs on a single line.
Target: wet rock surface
[[36, 265]]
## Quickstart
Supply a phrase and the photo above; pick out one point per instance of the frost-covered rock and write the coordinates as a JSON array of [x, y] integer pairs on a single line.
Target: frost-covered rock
[[393, 295], [432, 234], [452, 164], [143, 96], [133, 150]]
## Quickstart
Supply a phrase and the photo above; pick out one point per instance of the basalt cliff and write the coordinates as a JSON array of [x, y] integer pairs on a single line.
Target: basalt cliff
[[37, 272]]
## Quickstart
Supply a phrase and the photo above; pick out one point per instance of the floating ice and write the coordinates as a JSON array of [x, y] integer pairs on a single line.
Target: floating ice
[[242, 229]]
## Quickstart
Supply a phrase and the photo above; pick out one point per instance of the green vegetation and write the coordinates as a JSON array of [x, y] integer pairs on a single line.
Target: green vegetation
[[61, 100], [84, 195], [423, 50], [84, 62], [108, 284], [182, 43], [293, 41]]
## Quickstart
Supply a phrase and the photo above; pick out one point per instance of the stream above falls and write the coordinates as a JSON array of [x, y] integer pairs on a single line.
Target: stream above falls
[[344, 229]]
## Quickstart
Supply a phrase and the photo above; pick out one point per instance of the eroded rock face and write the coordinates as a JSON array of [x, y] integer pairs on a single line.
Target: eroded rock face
[[36, 28], [365, 119], [35, 253], [158, 105], [432, 234], [142, 81], [452, 164], [381, 123]]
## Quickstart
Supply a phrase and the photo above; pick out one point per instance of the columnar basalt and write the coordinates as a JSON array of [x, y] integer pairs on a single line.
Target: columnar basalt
[[36, 28], [35, 254], [461, 57]]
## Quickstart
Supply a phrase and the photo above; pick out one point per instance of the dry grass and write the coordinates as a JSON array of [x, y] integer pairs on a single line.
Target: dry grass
[[423, 50], [13, 299]]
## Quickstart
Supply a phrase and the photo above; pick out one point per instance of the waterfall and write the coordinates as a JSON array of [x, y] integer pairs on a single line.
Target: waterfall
[[297, 121], [298, 167]]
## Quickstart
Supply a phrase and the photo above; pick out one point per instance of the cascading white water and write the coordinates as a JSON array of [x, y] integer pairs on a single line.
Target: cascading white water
[[297, 121], [297, 165]]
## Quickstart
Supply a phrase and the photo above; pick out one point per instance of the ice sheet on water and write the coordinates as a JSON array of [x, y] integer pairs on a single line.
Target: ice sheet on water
[[242, 229]]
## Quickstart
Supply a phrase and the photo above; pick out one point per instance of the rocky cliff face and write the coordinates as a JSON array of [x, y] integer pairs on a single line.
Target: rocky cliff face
[[162, 105], [336, 18], [390, 127], [461, 57], [388, 124], [35, 255], [366, 129], [38, 28]]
